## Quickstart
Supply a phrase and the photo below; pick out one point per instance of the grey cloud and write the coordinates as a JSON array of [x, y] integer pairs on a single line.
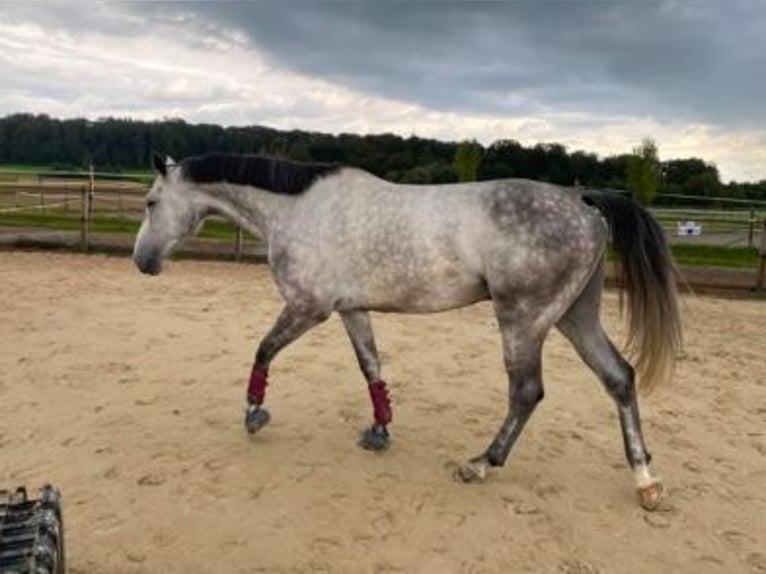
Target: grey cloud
[[700, 61], [597, 75], [89, 16]]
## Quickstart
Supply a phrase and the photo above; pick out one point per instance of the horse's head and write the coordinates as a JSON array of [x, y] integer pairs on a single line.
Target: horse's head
[[171, 215]]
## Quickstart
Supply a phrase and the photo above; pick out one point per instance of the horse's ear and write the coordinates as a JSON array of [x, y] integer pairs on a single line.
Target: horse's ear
[[160, 165], [169, 161]]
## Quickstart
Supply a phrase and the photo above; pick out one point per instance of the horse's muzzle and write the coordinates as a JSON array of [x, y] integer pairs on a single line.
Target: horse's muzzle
[[151, 265]]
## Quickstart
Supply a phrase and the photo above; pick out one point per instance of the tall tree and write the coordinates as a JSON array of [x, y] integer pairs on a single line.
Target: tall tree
[[643, 172], [467, 160]]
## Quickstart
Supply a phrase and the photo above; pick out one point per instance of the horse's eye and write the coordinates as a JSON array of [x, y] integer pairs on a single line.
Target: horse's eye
[[151, 203]]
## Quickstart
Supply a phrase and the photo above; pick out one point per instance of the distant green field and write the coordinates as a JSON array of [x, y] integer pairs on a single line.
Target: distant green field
[[106, 220], [711, 256], [213, 229], [24, 167], [9, 170], [692, 255], [715, 256]]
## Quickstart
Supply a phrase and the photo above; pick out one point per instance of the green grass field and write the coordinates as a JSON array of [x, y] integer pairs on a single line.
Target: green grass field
[[21, 167], [107, 219], [693, 255], [213, 229], [11, 171], [715, 256]]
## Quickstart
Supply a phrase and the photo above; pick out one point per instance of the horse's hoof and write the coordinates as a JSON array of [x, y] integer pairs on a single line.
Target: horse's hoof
[[374, 438], [256, 418], [651, 496], [473, 472]]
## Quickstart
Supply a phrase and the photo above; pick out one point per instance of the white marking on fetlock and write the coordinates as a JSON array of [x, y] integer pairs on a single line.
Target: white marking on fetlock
[[481, 469], [644, 476], [475, 470]]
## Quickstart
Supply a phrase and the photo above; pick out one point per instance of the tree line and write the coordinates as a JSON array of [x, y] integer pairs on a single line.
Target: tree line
[[123, 144]]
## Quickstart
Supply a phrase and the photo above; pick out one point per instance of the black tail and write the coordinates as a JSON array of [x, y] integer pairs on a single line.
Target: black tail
[[647, 274]]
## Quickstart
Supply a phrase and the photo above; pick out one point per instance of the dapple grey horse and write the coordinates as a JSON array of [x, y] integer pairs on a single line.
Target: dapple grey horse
[[340, 239]]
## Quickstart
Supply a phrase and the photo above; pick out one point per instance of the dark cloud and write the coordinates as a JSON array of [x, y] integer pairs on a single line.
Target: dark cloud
[[693, 61], [593, 75]]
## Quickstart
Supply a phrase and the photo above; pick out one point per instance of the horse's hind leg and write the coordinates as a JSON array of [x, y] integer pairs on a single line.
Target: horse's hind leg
[[522, 350], [291, 324], [582, 326], [359, 330]]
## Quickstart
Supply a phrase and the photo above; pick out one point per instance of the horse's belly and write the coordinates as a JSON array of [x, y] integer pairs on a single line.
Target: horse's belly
[[417, 294]]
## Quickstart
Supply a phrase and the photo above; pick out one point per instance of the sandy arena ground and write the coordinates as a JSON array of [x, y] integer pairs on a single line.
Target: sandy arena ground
[[127, 392]]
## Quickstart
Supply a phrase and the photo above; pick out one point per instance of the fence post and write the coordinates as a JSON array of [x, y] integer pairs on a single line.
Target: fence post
[[762, 262], [86, 212], [84, 218], [238, 245], [751, 229], [91, 189]]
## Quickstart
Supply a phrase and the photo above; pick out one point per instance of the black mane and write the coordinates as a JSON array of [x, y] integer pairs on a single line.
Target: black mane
[[267, 173]]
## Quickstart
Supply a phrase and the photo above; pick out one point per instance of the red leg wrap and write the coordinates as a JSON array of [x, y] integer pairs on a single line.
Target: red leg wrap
[[380, 402], [256, 390]]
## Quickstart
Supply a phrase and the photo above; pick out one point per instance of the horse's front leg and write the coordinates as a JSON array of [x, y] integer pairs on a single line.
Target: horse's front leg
[[291, 324], [359, 329]]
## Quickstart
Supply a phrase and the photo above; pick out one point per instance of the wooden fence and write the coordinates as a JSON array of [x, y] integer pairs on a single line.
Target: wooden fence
[[733, 227], [35, 203], [109, 199]]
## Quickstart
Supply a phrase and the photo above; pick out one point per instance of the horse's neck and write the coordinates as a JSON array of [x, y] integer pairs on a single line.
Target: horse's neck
[[253, 209]]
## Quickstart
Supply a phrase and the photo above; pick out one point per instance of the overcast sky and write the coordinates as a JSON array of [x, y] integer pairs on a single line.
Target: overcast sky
[[598, 76]]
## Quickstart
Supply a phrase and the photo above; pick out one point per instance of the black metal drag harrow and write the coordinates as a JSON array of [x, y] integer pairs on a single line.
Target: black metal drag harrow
[[31, 532]]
